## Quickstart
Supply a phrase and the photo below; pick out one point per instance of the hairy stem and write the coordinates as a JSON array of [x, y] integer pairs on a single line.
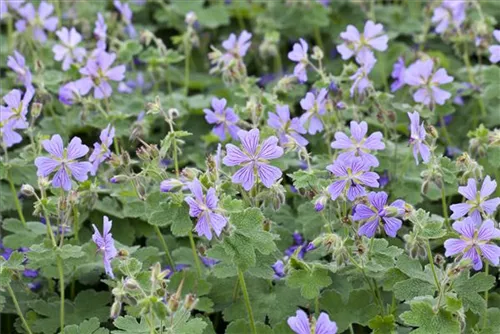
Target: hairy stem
[[170, 261], [243, 286], [486, 293], [16, 200], [195, 254], [18, 309], [431, 262], [61, 292]]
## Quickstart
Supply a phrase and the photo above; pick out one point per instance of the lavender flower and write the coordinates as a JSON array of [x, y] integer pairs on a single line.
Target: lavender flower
[[315, 107], [63, 161], [101, 151], [204, 208], [398, 74], [298, 243], [417, 138], [475, 240], [379, 212], [18, 65], [300, 324], [357, 145], [100, 30], [279, 270], [97, 73], [477, 201], [5, 4], [224, 118], [299, 55], [254, 158], [495, 49], [39, 20], [172, 184], [421, 75], [71, 92], [138, 84], [352, 175], [105, 244], [236, 47], [126, 14], [13, 115], [68, 51], [287, 128], [208, 261], [450, 11], [373, 38], [360, 79]]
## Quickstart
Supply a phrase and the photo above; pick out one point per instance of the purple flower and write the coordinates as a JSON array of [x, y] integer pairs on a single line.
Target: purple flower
[[477, 201], [352, 175], [39, 20], [254, 158], [279, 270], [224, 118], [139, 83], [474, 241], [298, 243], [126, 14], [300, 324], [236, 47], [208, 261], [495, 49], [287, 128], [178, 267], [68, 51], [105, 244], [5, 4], [299, 55], [360, 79], [421, 75], [398, 74], [357, 145], [449, 10], [379, 212], [101, 151], [97, 73], [18, 65], [315, 107], [13, 115], [417, 138], [373, 38], [204, 208], [100, 30], [71, 92], [171, 184], [63, 161]]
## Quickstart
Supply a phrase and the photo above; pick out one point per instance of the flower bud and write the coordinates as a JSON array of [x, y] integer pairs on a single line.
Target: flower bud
[[116, 309], [119, 178], [189, 173], [170, 185], [27, 190], [341, 105], [190, 18], [173, 303], [431, 130], [131, 284], [439, 259], [190, 302], [317, 53], [125, 158], [320, 203], [173, 113], [36, 110]]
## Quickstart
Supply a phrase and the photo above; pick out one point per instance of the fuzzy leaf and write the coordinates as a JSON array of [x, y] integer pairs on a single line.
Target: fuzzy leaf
[[423, 316], [310, 282]]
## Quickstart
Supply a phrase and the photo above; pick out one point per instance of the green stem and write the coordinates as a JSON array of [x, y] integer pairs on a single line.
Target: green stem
[[431, 262], [187, 48], [486, 293], [76, 222], [316, 305], [16, 200], [317, 37], [170, 261], [18, 309], [445, 131], [195, 253], [445, 206], [61, 292], [243, 285], [10, 35]]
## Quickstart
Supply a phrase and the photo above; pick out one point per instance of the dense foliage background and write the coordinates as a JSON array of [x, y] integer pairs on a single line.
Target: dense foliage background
[[137, 195]]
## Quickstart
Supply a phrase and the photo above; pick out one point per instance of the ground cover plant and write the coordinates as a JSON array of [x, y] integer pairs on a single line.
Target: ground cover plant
[[200, 167]]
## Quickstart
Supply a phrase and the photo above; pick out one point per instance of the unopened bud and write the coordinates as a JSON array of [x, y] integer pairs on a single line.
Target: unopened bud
[[189, 173], [320, 203], [190, 18], [173, 303], [266, 226], [116, 309], [119, 179], [439, 259], [341, 105], [173, 113], [123, 253], [27, 190], [432, 131], [131, 284], [126, 158], [190, 302], [36, 110], [317, 53]]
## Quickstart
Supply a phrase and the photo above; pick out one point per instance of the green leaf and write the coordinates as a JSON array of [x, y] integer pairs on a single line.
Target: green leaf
[[303, 179], [468, 288], [359, 309], [383, 325], [310, 282], [91, 326], [411, 288], [492, 321], [423, 316], [213, 16], [22, 235], [193, 326], [493, 154], [243, 327], [128, 49], [129, 325]]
